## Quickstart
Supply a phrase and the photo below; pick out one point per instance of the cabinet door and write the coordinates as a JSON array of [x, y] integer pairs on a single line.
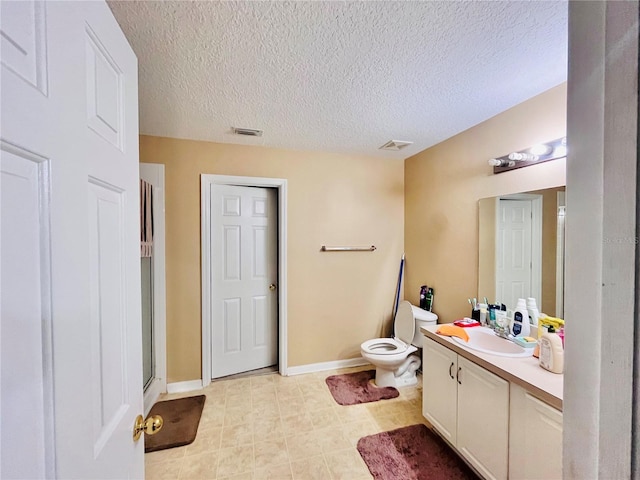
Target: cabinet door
[[439, 389], [483, 419], [535, 438]]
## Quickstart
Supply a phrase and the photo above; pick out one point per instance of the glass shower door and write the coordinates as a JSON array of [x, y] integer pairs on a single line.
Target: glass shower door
[[148, 367]]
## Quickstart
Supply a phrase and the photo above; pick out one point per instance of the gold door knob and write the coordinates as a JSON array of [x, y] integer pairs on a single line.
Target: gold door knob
[[150, 426], [272, 287]]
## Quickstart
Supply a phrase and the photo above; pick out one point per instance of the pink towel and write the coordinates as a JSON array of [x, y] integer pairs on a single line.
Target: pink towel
[[146, 219]]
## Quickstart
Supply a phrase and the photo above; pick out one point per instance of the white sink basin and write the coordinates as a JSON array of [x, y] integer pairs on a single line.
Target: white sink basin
[[484, 340]]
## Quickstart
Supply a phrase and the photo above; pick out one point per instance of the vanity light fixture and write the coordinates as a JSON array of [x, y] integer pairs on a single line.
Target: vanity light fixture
[[530, 156]]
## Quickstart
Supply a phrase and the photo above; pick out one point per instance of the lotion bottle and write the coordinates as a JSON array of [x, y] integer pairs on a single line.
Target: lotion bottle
[[520, 324], [551, 351]]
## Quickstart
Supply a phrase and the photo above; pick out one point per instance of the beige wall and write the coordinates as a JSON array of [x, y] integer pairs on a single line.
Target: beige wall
[[549, 249], [444, 183], [488, 215], [335, 300]]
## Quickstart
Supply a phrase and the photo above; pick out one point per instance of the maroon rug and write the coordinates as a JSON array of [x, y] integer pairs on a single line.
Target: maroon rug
[[412, 453], [353, 388], [181, 418]]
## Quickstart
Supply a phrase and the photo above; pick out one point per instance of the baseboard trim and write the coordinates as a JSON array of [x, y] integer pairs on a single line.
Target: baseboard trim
[[323, 366], [188, 386]]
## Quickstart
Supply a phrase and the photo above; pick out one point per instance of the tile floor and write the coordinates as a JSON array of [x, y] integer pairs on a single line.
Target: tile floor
[[273, 427]]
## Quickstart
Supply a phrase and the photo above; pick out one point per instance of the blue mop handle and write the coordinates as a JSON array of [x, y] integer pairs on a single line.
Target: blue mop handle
[[397, 304]]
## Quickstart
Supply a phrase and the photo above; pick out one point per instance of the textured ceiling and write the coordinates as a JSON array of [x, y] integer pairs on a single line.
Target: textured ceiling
[[339, 76]]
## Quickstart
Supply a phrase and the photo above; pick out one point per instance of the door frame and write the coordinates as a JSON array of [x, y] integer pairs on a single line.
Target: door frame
[[154, 174], [536, 239], [560, 249], [206, 183]]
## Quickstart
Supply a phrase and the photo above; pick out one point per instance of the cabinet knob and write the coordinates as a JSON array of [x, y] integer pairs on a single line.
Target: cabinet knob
[[458, 375]]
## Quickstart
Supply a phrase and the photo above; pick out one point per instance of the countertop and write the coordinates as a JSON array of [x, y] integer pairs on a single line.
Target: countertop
[[525, 372]]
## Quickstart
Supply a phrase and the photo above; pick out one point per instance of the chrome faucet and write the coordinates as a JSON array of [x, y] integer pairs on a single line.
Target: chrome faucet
[[502, 332]]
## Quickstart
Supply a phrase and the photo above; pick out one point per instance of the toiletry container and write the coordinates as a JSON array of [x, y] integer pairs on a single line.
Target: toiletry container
[[551, 351], [534, 313], [430, 296], [423, 297], [493, 307], [520, 323], [502, 321], [561, 335]]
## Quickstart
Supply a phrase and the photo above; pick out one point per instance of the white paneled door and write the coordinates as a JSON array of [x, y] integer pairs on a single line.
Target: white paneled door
[[244, 305], [70, 329], [513, 259]]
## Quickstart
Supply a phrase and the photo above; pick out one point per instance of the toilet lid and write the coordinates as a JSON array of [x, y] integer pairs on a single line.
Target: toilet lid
[[404, 326]]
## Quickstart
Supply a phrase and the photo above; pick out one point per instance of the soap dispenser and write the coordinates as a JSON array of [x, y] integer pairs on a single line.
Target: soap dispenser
[[520, 324]]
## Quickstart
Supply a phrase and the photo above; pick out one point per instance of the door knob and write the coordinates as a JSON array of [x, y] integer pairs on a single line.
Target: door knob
[[272, 287], [150, 426]]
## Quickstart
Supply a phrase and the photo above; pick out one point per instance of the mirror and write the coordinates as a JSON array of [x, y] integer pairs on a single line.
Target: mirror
[[521, 249]]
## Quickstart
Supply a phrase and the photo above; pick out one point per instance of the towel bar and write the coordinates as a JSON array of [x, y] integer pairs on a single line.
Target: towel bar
[[347, 249]]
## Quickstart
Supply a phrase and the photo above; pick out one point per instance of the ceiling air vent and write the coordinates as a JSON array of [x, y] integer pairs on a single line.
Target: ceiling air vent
[[249, 132], [395, 145]]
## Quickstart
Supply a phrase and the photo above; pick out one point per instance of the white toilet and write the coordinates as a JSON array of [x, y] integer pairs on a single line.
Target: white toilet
[[395, 364]]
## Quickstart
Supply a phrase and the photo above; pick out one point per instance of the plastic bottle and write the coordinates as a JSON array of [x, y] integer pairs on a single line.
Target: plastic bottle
[[483, 314], [534, 313], [429, 299], [493, 308], [520, 323], [551, 351], [423, 297]]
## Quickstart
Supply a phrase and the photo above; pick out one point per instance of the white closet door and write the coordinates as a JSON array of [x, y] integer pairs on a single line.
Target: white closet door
[[244, 279]]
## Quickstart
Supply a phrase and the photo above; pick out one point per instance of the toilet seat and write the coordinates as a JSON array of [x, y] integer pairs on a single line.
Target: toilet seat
[[384, 346], [403, 329]]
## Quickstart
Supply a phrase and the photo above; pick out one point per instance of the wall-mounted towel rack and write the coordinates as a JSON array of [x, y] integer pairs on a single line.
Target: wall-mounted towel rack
[[347, 249]]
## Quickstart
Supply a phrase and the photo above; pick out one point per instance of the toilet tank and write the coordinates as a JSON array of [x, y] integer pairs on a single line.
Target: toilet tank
[[422, 318]]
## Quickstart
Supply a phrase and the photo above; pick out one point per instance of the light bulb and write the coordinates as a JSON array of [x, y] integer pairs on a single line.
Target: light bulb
[[541, 149], [496, 162], [523, 157], [560, 151]]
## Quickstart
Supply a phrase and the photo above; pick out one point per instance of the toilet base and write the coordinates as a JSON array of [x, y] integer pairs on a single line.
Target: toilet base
[[404, 376], [407, 380]]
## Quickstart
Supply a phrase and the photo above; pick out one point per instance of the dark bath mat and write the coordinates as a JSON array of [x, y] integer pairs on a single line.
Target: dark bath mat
[[353, 388], [181, 418], [414, 453]]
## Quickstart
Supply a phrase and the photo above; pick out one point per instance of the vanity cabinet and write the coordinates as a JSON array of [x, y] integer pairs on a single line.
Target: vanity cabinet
[[535, 438], [469, 407]]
